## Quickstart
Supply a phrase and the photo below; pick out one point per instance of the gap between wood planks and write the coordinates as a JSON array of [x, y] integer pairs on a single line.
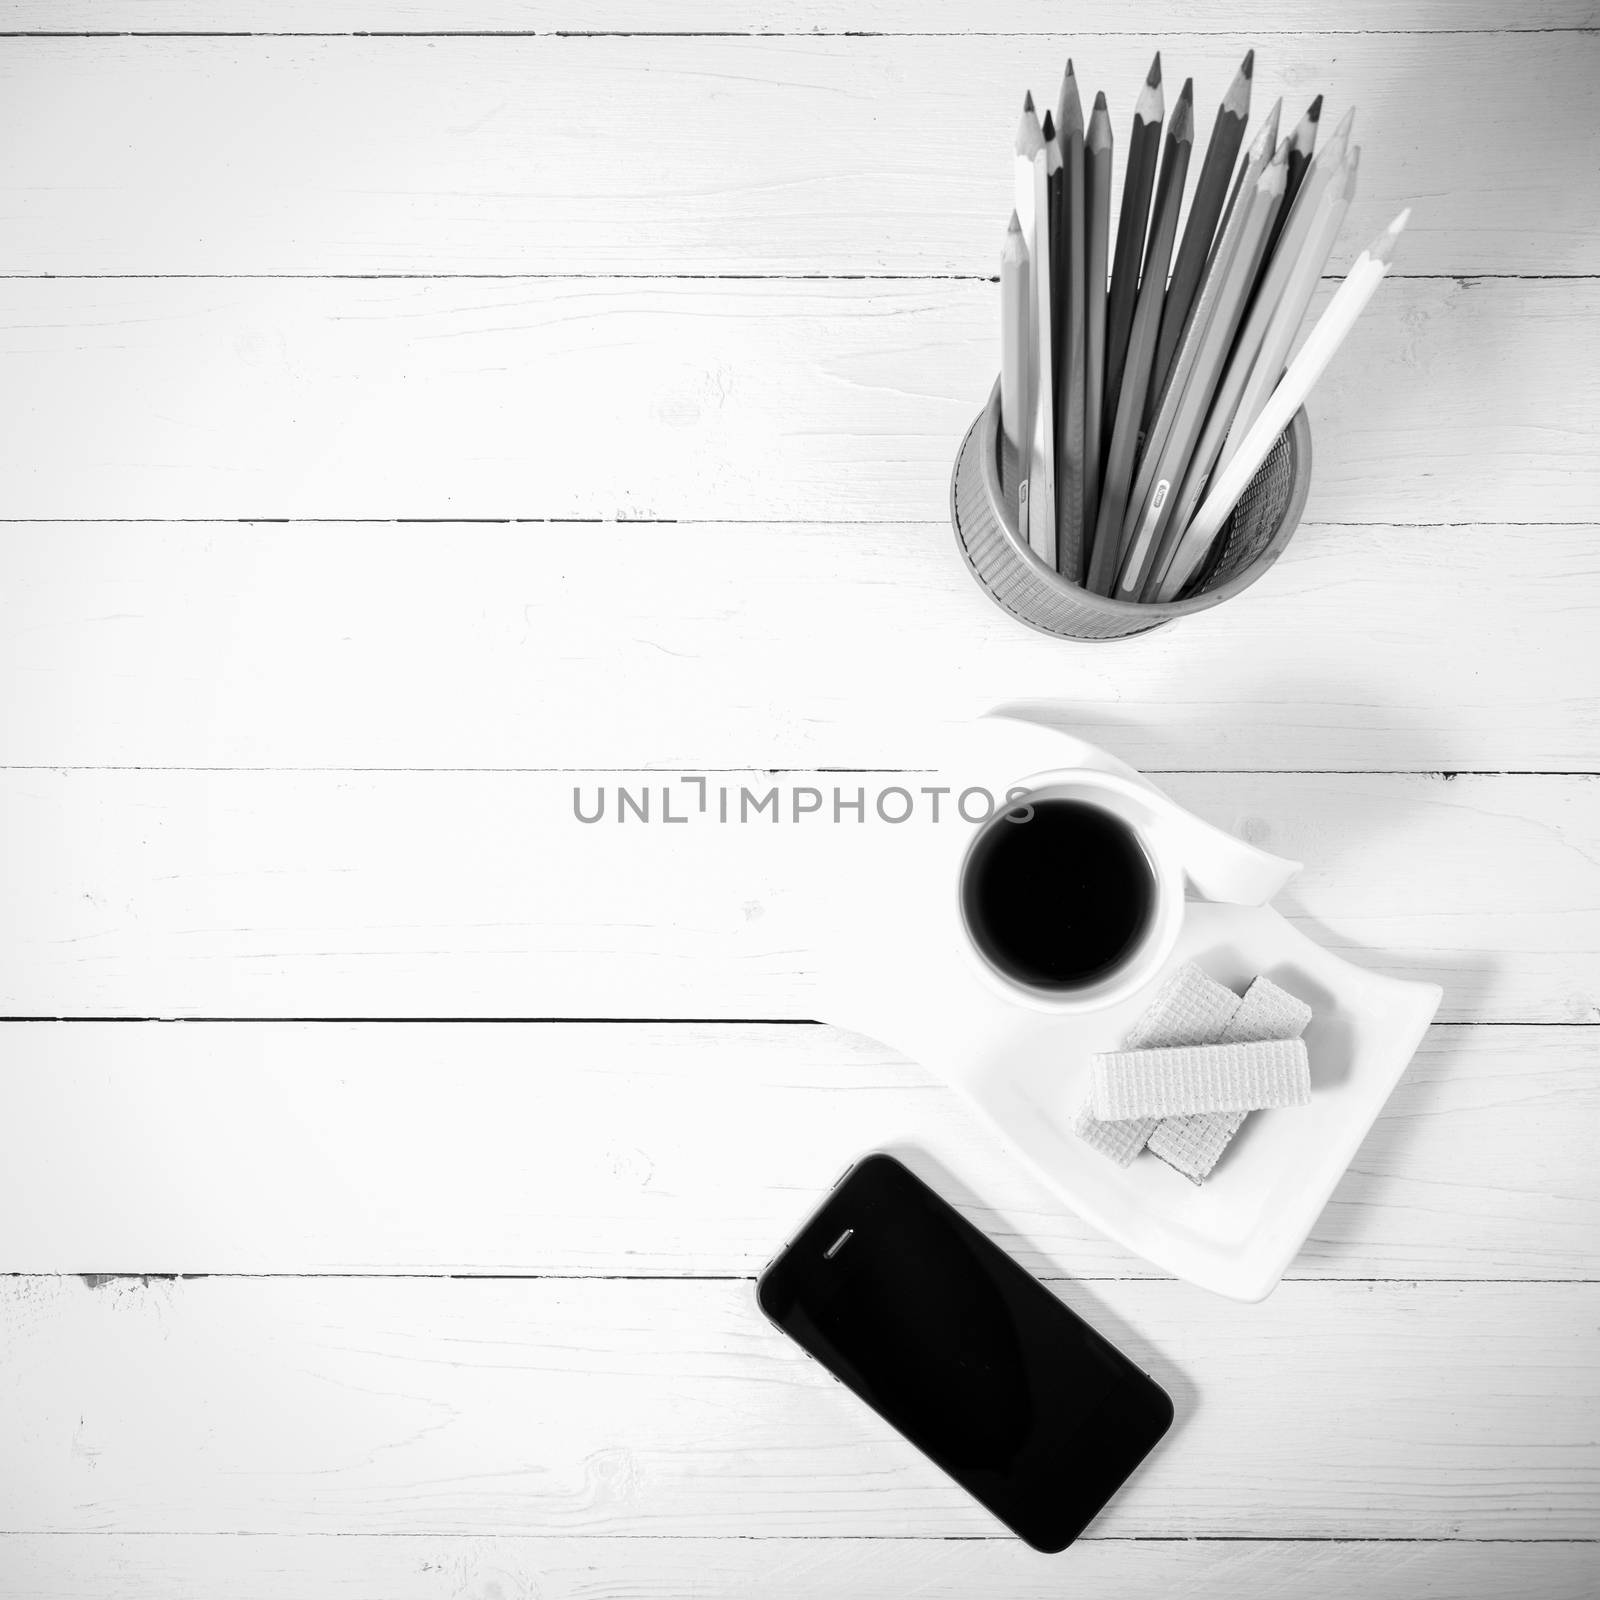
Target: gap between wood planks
[[808, 1538], [846, 772], [605, 1022], [99, 1280], [1462, 280], [750, 33]]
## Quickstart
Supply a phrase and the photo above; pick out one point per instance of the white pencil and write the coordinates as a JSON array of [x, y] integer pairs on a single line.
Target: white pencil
[[1030, 139], [1329, 202], [1042, 451], [1319, 349], [1013, 355], [1292, 280]]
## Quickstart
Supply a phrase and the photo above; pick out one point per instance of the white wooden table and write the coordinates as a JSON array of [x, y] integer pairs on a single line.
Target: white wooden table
[[411, 410]]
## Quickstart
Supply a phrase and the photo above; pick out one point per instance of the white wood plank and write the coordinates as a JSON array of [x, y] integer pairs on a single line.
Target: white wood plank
[[1256, 18], [830, 401], [463, 894], [263, 645], [710, 155], [689, 1149], [764, 155], [481, 1406], [427, 1567]]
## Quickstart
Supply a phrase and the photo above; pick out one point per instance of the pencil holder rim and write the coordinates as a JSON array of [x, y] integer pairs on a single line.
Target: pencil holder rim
[[1151, 615]]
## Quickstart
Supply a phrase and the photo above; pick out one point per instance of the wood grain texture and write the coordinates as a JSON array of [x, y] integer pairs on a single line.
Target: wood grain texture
[[660, 1150], [615, 1427], [480, 1406], [1255, 18], [399, 155], [217, 644], [464, 894], [427, 1567], [737, 401]]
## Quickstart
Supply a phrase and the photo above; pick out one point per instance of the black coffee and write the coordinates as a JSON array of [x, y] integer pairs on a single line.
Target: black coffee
[[1060, 899]]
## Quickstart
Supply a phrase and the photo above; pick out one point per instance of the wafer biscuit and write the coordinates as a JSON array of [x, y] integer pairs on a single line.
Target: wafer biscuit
[[1121, 1141], [1217, 1077], [1266, 1012], [1194, 1144], [1190, 1009]]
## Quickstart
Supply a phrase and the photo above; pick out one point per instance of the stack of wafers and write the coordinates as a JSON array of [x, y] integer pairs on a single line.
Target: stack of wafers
[[1198, 1062]]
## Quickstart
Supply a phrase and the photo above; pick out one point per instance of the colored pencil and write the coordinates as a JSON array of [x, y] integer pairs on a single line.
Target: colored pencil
[[1329, 201], [1259, 209], [1013, 356], [1162, 414], [1029, 139], [1041, 454], [1210, 195], [1144, 151], [1268, 137], [1302, 146], [1106, 555], [1297, 282], [1319, 349], [1055, 184], [1097, 162], [1071, 265]]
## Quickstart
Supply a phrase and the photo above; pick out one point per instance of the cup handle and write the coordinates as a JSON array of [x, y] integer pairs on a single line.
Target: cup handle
[[1219, 866]]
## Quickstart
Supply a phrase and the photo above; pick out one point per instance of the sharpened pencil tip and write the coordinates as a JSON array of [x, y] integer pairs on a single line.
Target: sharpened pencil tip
[[1236, 102], [1098, 138], [1069, 108], [1180, 126], [1186, 92], [1248, 68], [1100, 100], [1267, 139], [1070, 73], [1382, 248], [1352, 167], [1027, 101], [1314, 110], [1048, 128], [1016, 224], [1153, 77], [1029, 143]]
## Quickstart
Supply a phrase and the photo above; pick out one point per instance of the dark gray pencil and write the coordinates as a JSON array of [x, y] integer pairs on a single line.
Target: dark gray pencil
[[1302, 145], [1144, 151], [1054, 185], [1106, 556], [1210, 195], [1070, 262], [1097, 164]]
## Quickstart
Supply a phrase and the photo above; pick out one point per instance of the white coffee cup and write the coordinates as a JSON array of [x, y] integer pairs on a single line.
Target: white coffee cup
[[1141, 813]]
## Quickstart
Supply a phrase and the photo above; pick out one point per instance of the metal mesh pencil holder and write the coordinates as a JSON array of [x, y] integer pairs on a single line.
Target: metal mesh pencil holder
[[1021, 584]]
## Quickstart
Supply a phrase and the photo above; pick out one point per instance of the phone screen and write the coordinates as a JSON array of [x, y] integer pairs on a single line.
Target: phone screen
[[964, 1352]]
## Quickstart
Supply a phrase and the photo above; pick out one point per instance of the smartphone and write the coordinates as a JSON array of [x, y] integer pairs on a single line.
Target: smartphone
[[964, 1352]]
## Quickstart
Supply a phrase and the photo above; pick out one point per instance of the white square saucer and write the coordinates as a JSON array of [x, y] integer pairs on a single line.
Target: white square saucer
[[895, 970]]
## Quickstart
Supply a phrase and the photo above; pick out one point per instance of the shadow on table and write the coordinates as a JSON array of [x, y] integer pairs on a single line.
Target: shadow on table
[[1175, 742]]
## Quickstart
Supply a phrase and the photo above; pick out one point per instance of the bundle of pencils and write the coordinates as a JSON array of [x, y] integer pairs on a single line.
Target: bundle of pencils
[[1142, 387]]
